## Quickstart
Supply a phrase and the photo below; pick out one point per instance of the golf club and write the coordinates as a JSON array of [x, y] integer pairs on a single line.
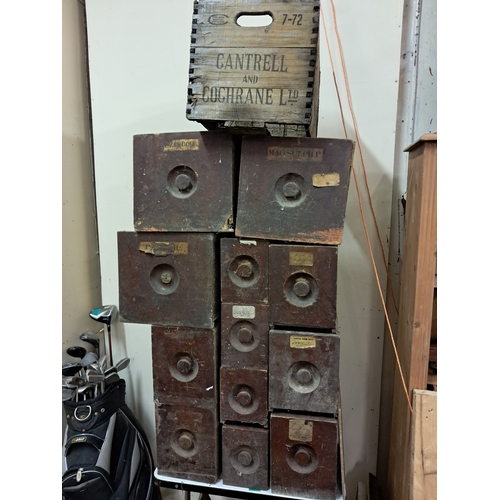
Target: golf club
[[105, 314], [76, 351], [91, 338]]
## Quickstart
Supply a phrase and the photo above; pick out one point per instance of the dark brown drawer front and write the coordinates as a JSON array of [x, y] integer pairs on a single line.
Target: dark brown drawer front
[[185, 363], [168, 279], [303, 285], [293, 189], [244, 336], [304, 373], [188, 442], [303, 456], [243, 395], [184, 182], [245, 461], [244, 271]]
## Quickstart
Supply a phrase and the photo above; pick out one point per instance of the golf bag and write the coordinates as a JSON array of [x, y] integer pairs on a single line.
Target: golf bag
[[106, 455]]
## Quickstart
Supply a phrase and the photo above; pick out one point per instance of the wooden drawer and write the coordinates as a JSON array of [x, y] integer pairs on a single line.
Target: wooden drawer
[[244, 336], [304, 373], [303, 285], [243, 395], [184, 182], [293, 189], [245, 456], [168, 279], [244, 271], [303, 455], [188, 442], [185, 364]]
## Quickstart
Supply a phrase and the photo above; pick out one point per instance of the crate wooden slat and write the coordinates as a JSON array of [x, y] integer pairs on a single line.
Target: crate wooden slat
[[423, 484], [255, 77]]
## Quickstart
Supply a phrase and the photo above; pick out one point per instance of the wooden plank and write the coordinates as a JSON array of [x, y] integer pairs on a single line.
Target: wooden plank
[[423, 484], [415, 306], [295, 23]]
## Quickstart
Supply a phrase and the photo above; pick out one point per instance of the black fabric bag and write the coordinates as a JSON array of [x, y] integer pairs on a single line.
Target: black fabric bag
[[106, 455]]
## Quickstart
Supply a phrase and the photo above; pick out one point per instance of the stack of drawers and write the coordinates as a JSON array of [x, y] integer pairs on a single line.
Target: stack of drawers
[[234, 260], [168, 277], [279, 287]]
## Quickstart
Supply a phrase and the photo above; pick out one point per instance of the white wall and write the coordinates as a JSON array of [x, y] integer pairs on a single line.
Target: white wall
[[81, 283], [139, 58]]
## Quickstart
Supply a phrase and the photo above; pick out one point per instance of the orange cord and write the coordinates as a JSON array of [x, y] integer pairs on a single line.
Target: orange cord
[[367, 189]]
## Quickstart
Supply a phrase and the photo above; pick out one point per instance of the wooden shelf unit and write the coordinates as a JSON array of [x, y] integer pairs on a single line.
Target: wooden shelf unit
[[416, 305]]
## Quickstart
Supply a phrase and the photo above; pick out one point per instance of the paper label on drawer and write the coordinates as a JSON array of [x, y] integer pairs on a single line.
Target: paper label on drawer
[[326, 180], [182, 145], [244, 312], [163, 248], [301, 259], [301, 342], [300, 430], [294, 154]]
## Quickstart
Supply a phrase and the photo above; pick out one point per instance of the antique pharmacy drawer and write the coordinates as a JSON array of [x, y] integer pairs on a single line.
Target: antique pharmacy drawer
[[243, 395], [293, 189], [168, 279], [303, 456], [245, 452], [185, 363], [303, 285], [184, 182], [244, 271], [244, 335], [258, 77], [304, 373], [188, 442]]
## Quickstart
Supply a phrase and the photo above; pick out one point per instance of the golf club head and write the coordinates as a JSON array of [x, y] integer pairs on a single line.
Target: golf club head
[[70, 369], [76, 351], [104, 314], [91, 338]]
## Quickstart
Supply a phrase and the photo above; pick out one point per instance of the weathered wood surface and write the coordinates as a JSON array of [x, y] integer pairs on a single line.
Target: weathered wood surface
[[245, 456], [415, 306], [294, 189], [167, 279], [303, 286], [245, 335], [243, 74], [303, 453], [244, 271], [184, 433], [243, 395], [423, 484], [295, 23], [304, 372], [184, 181], [185, 364]]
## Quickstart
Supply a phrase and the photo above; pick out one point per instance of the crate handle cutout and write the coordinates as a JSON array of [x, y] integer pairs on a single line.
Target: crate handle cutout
[[254, 19]]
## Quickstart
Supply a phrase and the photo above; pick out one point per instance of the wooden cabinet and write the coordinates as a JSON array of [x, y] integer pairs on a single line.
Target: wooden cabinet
[[416, 305]]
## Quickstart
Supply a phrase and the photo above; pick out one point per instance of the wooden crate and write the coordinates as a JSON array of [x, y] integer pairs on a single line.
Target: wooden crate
[[264, 78]]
